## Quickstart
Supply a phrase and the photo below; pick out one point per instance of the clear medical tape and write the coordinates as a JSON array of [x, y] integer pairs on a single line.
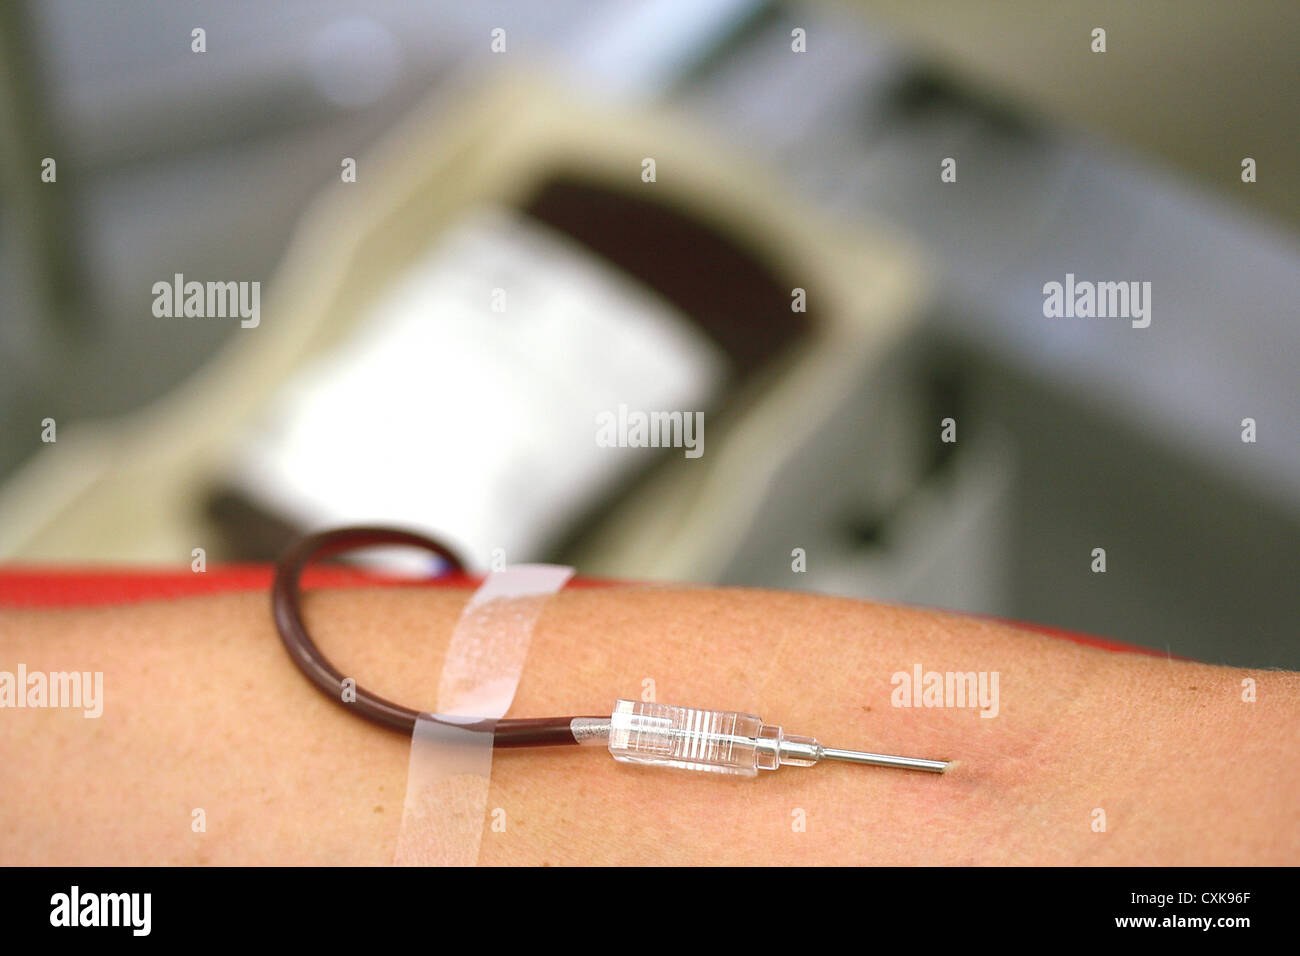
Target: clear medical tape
[[451, 766]]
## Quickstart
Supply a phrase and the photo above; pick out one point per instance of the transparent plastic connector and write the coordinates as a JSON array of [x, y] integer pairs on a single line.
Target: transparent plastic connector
[[717, 741]]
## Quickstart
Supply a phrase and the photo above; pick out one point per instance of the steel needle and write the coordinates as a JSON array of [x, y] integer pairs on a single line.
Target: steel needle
[[884, 760]]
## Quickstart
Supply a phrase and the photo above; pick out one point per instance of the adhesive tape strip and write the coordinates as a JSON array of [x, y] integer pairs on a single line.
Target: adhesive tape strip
[[450, 765]]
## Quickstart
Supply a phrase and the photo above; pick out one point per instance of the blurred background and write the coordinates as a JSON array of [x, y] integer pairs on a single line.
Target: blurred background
[[436, 338]]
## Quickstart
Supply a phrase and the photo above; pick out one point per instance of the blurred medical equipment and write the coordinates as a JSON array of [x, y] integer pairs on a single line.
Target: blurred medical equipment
[[1071, 436]]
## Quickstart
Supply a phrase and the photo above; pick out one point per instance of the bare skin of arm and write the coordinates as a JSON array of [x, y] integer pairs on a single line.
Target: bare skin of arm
[[203, 709]]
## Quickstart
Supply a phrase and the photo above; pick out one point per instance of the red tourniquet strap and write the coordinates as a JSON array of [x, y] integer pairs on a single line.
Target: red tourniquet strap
[[36, 587]]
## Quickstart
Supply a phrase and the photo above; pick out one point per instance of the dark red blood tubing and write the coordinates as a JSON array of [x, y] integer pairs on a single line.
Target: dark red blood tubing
[[286, 606]]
